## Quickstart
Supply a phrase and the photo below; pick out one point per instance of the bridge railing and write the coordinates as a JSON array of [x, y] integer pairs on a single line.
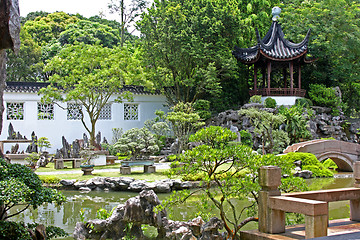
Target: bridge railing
[[313, 204]]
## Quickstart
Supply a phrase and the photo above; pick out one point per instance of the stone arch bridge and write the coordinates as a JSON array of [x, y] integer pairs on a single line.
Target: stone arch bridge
[[344, 154]]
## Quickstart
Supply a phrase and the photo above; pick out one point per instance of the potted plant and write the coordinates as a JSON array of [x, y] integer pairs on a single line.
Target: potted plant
[[86, 165], [33, 158]]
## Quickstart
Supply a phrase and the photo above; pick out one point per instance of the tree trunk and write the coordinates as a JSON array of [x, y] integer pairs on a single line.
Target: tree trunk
[[2, 84], [3, 214], [9, 38]]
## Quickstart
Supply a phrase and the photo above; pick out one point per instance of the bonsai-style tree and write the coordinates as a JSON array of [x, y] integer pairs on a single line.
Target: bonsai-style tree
[[266, 125], [89, 75], [43, 142], [227, 172], [20, 187], [138, 142], [184, 122]]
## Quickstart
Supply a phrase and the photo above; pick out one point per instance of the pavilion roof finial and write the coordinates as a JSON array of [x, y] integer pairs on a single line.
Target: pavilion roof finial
[[275, 13]]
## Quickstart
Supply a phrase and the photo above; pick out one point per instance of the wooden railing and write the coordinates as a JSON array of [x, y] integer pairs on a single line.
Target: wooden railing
[[313, 204], [298, 92]]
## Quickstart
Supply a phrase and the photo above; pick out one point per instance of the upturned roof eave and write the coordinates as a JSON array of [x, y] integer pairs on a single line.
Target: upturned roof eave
[[275, 32], [303, 54]]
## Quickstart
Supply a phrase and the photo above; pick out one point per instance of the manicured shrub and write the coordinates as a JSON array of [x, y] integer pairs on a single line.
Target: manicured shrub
[[325, 97], [202, 107], [309, 162], [318, 171], [49, 179], [304, 102], [13, 231], [255, 99], [172, 157], [270, 102], [329, 163]]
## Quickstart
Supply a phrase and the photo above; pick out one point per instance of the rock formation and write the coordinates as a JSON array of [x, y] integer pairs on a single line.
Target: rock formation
[[321, 123], [128, 184], [140, 210]]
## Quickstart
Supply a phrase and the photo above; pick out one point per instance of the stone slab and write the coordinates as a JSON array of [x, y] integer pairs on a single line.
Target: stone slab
[[339, 229]]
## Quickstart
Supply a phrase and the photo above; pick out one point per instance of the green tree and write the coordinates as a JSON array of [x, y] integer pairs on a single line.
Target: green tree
[[188, 46], [295, 123], [89, 32], [266, 124], [89, 75], [45, 30], [138, 142], [128, 14], [335, 42], [21, 187], [325, 97], [184, 122], [26, 66], [234, 171]]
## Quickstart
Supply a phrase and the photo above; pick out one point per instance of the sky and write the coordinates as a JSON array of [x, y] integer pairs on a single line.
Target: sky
[[87, 8]]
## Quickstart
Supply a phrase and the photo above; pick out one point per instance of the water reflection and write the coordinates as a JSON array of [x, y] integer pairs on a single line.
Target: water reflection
[[66, 215]]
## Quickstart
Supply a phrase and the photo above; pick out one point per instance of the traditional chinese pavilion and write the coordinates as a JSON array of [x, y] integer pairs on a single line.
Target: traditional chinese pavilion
[[278, 60]]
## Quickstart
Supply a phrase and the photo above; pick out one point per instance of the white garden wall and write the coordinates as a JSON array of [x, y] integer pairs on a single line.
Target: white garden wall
[[73, 129]]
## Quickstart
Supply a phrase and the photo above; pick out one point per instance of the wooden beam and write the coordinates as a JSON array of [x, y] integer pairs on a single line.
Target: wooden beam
[[255, 77], [268, 75], [285, 76], [299, 77], [291, 77]]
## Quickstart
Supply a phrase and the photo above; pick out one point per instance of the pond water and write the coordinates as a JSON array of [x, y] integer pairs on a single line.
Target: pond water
[[66, 215]]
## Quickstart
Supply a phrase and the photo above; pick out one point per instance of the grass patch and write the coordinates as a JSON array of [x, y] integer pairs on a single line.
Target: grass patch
[[138, 175]]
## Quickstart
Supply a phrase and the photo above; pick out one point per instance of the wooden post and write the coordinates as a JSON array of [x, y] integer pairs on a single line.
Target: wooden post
[[291, 77], [316, 226], [268, 77], [255, 79], [299, 77], [263, 72], [355, 204], [270, 220]]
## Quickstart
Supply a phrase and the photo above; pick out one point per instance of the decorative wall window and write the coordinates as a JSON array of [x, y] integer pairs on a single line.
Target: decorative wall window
[[131, 111], [105, 113], [45, 111], [74, 111], [15, 111]]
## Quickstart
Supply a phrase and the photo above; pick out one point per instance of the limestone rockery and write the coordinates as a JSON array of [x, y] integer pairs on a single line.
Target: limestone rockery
[[321, 123], [127, 219], [128, 184]]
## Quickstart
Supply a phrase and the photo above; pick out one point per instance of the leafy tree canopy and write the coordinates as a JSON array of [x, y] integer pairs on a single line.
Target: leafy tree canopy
[[27, 65], [89, 32], [233, 169], [21, 187], [188, 46], [89, 75], [335, 42], [47, 29]]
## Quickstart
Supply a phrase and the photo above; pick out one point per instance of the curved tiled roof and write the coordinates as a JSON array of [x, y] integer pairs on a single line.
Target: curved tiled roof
[[34, 87], [273, 46]]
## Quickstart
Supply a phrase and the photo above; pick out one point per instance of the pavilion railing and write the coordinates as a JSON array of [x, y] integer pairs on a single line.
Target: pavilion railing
[[298, 92]]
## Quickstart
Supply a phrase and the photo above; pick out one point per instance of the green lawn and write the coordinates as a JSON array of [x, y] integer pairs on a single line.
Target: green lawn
[[139, 174]]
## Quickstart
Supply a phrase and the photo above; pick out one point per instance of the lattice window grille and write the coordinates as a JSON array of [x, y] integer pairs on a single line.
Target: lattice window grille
[[131, 111], [74, 111], [105, 113], [15, 111], [45, 111]]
